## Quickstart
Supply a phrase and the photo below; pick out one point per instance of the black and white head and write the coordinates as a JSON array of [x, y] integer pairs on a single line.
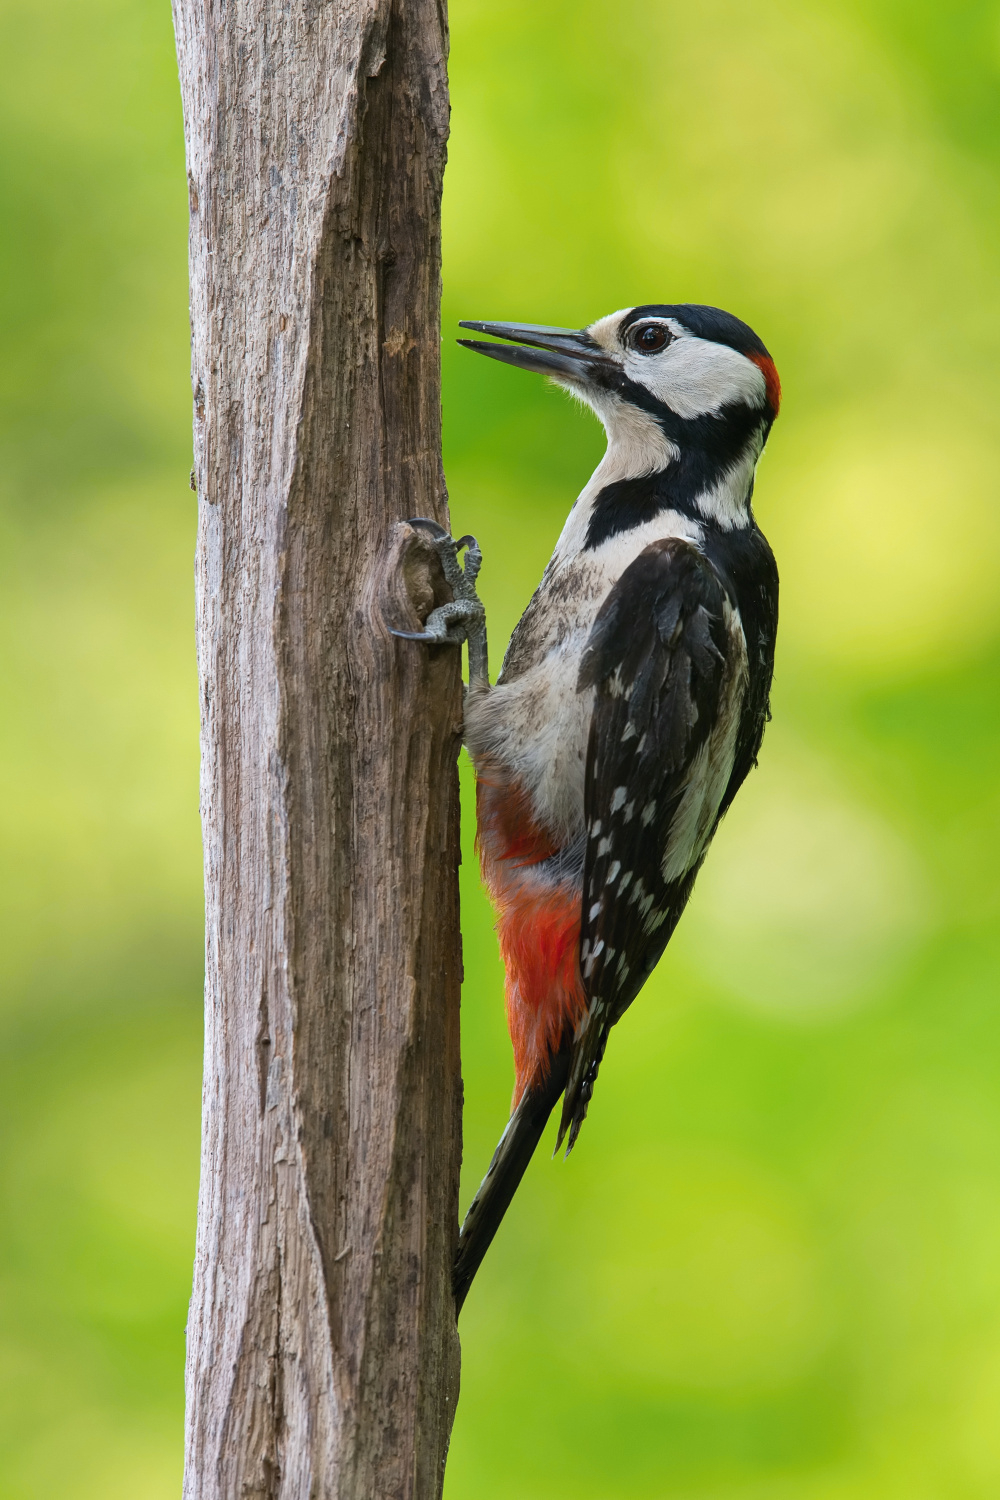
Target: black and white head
[[680, 388]]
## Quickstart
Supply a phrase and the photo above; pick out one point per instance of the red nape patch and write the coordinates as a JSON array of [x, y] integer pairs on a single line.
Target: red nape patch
[[538, 926], [771, 382]]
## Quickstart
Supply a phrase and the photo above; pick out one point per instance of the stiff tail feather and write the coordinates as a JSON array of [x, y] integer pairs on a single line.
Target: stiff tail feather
[[510, 1160], [585, 1059]]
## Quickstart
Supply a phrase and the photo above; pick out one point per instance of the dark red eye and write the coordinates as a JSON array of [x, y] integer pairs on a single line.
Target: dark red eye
[[649, 338]]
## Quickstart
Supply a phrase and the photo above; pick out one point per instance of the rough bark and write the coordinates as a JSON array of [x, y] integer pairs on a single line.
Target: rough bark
[[322, 1349]]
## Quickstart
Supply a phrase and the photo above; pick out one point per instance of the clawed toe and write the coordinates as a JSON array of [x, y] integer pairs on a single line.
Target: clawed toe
[[463, 619], [428, 525], [414, 635]]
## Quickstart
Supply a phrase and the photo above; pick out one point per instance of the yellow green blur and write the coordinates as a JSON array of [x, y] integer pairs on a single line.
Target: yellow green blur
[[771, 1270]]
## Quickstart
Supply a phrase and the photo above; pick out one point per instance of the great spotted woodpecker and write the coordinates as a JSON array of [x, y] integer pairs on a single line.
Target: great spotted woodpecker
[[632, 700]]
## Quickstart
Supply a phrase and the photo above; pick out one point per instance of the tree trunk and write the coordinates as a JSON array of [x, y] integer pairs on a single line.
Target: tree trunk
[[323, 1356]]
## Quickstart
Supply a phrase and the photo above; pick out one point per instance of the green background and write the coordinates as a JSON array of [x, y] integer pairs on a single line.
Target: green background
[[771, 1270]]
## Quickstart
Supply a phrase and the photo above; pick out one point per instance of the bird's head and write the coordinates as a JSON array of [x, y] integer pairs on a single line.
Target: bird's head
[[669, 382]]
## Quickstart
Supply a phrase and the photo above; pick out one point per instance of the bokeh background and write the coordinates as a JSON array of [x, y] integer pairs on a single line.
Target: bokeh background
[[771, 1270]]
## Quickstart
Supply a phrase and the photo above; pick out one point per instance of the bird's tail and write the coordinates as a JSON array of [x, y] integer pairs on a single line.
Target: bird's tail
[[510, 1161]]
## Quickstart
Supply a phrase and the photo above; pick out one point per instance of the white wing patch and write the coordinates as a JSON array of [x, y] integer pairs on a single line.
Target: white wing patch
[[711, 767]]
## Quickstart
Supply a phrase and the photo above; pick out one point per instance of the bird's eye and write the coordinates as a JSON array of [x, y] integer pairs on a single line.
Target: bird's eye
[[650, 338]]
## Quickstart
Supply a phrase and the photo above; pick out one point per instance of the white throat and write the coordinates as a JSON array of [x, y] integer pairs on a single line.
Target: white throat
[[637, 446]]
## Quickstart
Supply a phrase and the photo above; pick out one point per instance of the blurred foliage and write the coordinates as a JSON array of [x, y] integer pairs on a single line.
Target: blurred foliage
[[771, 1270]]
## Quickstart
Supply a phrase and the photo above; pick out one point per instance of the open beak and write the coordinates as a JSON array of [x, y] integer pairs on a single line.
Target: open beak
[[566, 353]]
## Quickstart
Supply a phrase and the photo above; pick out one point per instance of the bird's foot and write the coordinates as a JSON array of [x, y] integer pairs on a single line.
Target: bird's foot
[[464, 618]]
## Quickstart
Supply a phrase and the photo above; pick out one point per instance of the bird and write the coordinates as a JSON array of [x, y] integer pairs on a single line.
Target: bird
[[632, 700]]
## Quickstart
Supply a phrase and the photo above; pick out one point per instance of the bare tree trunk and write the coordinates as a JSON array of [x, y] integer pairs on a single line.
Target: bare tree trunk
[[322, 1350]]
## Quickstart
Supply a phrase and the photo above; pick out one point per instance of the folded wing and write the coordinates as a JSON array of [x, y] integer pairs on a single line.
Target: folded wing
[[667, 660]]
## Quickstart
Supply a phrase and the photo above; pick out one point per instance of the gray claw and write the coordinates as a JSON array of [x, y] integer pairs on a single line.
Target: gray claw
[[464, 619], [412, 635], [428, 525], [473, 557]]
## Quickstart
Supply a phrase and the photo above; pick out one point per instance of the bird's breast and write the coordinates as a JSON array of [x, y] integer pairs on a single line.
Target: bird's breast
[[534, 723], [535, 728]]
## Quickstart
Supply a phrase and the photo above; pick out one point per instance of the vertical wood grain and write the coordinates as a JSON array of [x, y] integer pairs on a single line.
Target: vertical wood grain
[[323, 1356]]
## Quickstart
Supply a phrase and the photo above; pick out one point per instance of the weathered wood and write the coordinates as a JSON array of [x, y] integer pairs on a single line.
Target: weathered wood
[[322, 1350]]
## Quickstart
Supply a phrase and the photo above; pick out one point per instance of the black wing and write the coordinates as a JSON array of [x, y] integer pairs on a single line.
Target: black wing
[[745, 562], [660, 656]]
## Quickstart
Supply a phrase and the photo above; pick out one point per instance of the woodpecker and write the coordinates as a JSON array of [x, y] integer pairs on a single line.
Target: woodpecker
[[632, 700]]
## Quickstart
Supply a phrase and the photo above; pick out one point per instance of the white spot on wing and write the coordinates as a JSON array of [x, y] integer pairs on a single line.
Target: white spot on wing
[[618, 799], [709, 771], [588, 967]]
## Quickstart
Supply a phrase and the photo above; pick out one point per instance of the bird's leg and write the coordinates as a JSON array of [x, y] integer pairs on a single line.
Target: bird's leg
[[464, 619]]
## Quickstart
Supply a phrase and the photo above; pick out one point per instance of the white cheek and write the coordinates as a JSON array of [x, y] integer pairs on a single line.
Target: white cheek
[[697, 378]]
